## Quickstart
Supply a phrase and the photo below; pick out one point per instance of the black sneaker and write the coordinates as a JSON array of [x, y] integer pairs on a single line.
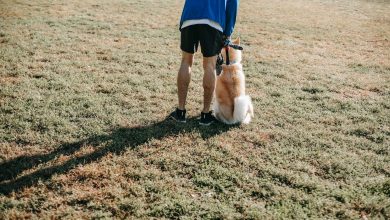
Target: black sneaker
[[178, 115], [207, 118]]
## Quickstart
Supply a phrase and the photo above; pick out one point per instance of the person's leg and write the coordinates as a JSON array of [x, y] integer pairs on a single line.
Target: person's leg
[[209, 78], [189, 45], [210, 42], [184, 77]]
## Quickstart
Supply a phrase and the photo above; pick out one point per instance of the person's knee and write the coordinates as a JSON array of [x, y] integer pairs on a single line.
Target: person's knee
[[209, 64], [187, 59], [209, 69]]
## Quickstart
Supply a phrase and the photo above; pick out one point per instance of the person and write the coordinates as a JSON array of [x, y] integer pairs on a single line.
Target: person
[[204, 22]]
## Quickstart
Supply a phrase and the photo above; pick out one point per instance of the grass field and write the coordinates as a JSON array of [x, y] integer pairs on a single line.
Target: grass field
[[85, 87]]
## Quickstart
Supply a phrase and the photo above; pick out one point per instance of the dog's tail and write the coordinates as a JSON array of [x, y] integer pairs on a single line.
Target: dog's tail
[[243, 109]]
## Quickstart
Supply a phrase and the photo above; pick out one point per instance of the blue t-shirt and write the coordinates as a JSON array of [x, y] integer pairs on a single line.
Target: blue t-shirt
[[224, 12]]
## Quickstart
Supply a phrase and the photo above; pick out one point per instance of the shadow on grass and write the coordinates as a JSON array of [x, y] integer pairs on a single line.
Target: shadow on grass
[[116, 142]]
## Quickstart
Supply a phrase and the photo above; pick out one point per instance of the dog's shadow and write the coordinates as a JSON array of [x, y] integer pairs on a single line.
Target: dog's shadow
[[116, 142]]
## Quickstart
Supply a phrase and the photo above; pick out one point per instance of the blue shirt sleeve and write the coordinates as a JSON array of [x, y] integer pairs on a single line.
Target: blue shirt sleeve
[[231, 14]]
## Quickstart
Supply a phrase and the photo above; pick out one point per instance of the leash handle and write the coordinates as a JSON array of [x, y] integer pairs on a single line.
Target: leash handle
[[228, 43], [237, 47]]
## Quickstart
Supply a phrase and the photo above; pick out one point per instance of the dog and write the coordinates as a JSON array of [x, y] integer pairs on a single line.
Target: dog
[[231, 105]]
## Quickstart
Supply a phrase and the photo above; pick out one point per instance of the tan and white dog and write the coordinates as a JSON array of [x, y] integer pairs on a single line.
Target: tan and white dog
[[231, 105]]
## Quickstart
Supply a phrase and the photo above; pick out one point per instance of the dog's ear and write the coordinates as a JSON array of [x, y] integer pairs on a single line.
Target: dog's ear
[[237, 41]]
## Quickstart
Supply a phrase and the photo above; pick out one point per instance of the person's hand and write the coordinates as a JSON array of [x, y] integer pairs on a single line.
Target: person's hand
[[226, 37], [226, 40]]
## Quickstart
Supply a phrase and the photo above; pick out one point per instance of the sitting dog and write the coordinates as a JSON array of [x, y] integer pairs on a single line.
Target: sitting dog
[[231, 105]]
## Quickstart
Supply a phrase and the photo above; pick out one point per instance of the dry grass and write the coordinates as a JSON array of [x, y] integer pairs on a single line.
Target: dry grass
[[85, 87]]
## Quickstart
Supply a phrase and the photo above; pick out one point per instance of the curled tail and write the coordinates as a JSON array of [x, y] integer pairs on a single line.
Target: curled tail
[[243, 109]]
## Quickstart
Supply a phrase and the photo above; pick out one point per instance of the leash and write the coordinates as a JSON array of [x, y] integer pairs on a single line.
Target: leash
[[226, 44]]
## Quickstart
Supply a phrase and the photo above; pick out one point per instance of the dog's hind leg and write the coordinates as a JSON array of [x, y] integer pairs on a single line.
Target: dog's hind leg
[[216, 108], [225, 114]]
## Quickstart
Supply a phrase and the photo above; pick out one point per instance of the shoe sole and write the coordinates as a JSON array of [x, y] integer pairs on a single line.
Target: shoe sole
[[171, 117], [204, 124]]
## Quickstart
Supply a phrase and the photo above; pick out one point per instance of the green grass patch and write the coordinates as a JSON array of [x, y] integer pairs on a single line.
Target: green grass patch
[[85, 89]]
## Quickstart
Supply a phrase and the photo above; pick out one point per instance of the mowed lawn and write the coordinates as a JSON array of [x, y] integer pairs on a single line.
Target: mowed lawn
[[85, 87]]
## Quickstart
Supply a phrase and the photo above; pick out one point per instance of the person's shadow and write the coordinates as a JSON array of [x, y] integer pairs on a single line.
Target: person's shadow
[[116, 142]]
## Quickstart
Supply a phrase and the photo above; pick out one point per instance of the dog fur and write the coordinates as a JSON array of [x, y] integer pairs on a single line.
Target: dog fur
[[231, 105]]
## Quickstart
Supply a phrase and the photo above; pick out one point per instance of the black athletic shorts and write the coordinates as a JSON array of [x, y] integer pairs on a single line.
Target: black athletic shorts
[[210, 39]]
